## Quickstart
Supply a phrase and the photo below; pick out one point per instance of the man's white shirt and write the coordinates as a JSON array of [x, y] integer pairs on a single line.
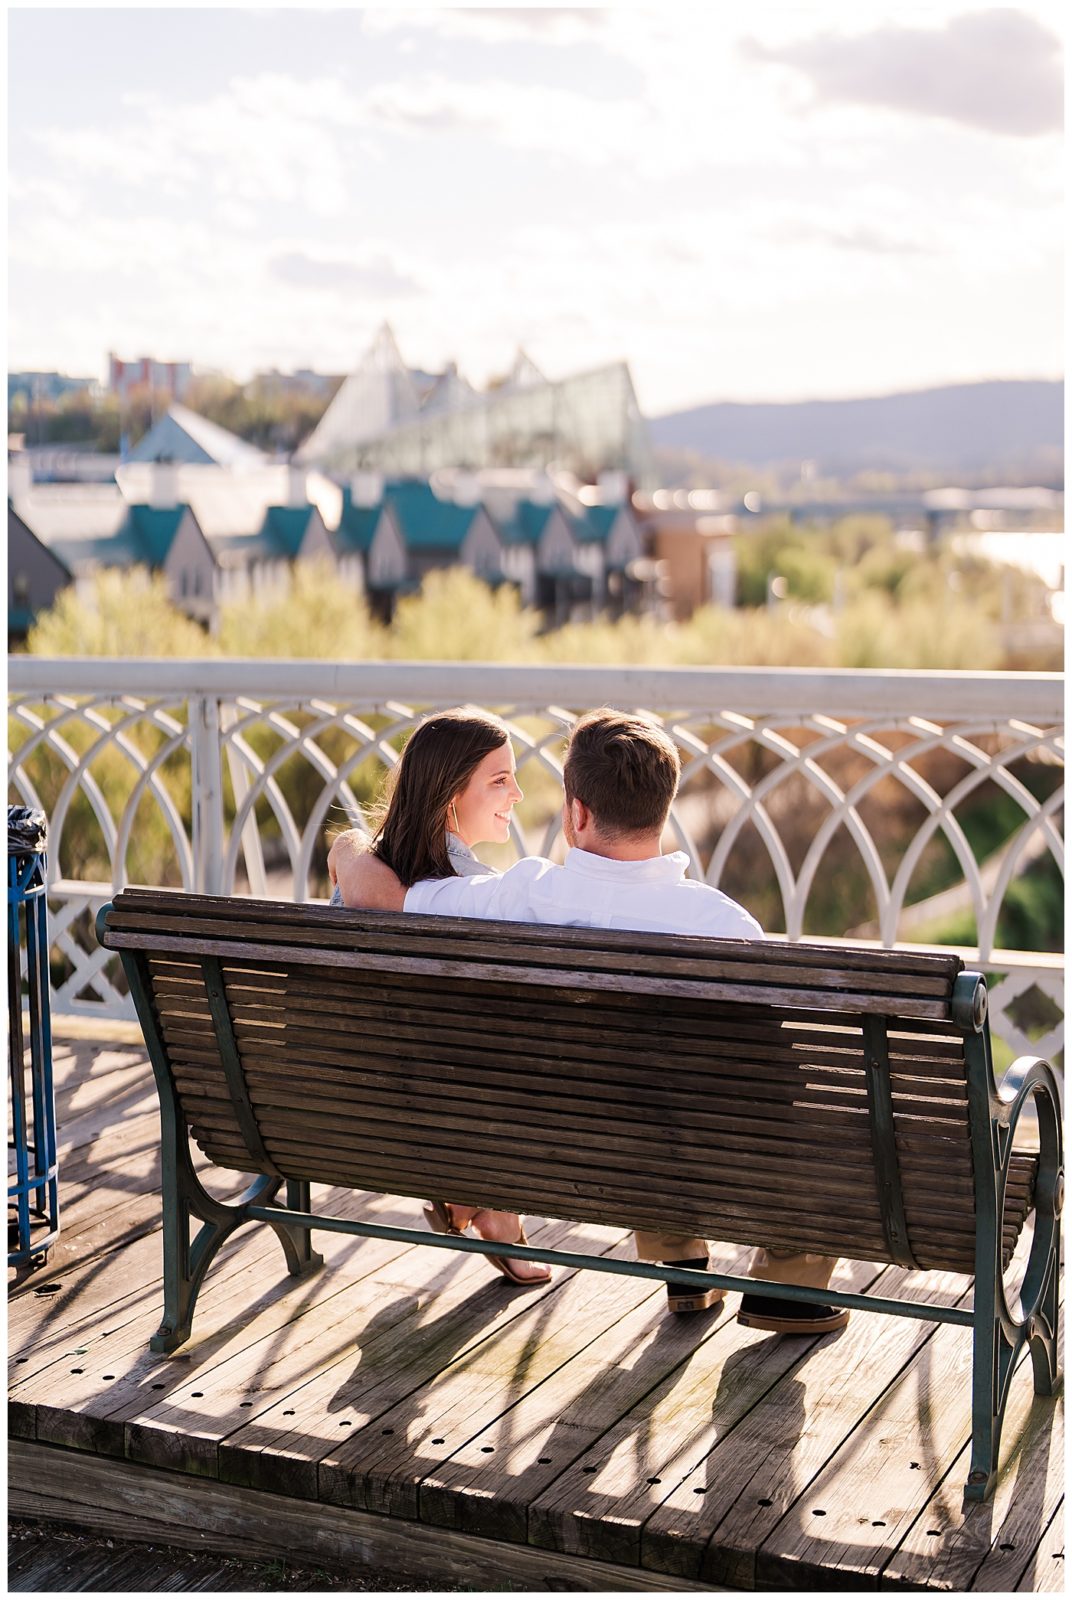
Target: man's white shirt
[[590, 891]]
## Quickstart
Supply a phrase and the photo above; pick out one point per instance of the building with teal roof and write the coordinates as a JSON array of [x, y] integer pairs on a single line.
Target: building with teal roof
[[89, 526], [439, 532]]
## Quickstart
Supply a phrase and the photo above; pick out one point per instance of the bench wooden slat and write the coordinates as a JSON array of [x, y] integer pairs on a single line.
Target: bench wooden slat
[[384, 1067], [936, 1249], [605, 982], [242, 913], [420, 1008], [787, 1042], [348, 989], [525, 953], [724, 1074]]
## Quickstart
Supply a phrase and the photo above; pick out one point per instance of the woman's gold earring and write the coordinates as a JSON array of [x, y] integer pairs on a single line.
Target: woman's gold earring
[[454, 809]]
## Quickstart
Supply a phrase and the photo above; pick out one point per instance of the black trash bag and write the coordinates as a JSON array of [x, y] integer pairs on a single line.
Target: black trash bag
[[27, 830]]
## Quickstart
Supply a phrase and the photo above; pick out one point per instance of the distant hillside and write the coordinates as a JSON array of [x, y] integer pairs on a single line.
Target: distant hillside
[[965, 427]]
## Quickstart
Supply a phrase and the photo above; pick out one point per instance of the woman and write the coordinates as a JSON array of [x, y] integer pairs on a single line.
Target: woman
[[453, 787]]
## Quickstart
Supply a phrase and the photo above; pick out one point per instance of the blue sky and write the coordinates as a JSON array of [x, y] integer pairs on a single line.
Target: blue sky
[[746, 201]]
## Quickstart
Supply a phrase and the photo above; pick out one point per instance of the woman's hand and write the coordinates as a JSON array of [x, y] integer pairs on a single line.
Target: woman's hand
[[344, 846], [363, 880]]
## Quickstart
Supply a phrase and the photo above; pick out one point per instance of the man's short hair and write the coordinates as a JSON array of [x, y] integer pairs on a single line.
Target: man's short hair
[[624, 768]]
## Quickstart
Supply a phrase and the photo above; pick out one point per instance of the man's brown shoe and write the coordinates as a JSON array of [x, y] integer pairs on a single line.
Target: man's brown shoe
[[789, 1316], [682, 1297]]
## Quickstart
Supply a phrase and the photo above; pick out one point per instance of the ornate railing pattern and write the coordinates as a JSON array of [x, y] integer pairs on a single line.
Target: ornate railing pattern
[[801, 790]]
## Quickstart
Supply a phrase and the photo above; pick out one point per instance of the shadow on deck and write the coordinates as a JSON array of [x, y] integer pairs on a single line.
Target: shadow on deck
[[409, 1408]]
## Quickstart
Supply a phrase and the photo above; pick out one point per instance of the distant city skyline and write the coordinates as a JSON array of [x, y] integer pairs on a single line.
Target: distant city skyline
[[745, 202]]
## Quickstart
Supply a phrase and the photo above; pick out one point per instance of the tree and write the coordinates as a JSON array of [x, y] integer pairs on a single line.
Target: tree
[[317, 618], [117, 612], [456, 617]]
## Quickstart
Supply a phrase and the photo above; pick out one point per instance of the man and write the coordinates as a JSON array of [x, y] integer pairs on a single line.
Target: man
[[620, 777]]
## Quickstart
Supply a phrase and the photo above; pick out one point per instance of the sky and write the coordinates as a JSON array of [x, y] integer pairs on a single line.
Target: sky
[[745, 200]]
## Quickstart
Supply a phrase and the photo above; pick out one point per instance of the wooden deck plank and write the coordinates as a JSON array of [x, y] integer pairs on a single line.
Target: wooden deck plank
[[957, 1547], [85, 1064], [140, 1502], [1046, 1573], [280, 1357], [88, 1406], [723, 1504], [602, 1515], [439, 1310], [487, 1484], [94, 1301], [853, 1515], [82, 1302], [475, 1388]]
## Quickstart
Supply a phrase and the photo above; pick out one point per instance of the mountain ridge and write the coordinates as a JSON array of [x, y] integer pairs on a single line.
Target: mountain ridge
[[1016, 422]]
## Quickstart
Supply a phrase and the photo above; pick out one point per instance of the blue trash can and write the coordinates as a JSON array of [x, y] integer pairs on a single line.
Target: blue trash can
[[33, 1191]]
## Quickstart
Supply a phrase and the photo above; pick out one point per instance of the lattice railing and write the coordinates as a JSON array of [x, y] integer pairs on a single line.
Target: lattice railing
[[887, 807]]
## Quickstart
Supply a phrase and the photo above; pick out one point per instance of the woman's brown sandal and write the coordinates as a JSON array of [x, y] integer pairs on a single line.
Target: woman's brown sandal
[[439, 1216], [505, 1267]]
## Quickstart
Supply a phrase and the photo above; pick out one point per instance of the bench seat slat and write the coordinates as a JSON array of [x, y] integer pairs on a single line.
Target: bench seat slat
[[242, 913], [843, 1193], [617, 1205], [744, 1224], [382, 1064], [566, 979], [352, 991], [717, 1075], [204, 935], [782, 1059], [457, 991], [418, 1021]]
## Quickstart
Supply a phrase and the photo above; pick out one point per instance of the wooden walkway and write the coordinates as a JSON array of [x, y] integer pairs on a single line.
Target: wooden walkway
[[407, 1408]]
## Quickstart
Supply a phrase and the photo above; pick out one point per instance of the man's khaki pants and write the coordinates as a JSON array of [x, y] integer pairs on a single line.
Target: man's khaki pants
[[774, 1266]]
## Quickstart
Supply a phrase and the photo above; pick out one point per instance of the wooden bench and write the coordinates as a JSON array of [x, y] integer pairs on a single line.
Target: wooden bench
[[805, 1097]]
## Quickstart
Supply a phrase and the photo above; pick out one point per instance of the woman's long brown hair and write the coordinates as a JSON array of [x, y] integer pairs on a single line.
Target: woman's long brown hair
[[441, 756]]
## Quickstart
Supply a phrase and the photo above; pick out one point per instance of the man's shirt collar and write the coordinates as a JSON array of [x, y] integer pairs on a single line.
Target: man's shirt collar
[[656, 869]]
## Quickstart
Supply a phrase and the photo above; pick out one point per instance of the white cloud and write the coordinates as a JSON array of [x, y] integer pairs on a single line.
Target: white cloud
[[374, 274], [998, 70], [268, 139]]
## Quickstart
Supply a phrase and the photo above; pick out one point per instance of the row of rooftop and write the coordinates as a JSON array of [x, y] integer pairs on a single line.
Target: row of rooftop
[[221, 522], [552, 497]]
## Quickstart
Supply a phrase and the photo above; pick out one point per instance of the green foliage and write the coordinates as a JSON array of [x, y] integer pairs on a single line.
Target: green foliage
[[758, 552], [125, 612], [317, 618], [874, 631], [638, 640], [717, 637], [456, 617], [883, 567], [1032, 915], [852, 538], [264, 414], [77, 418], [809, 574]]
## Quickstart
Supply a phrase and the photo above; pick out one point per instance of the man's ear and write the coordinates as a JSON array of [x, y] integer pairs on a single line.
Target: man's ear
[[579, 815]]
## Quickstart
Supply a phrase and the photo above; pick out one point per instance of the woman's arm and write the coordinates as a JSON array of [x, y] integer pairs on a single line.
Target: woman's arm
[[363, 879]]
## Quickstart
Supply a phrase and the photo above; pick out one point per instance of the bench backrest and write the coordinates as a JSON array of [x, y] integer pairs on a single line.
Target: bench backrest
[[740, 1091]]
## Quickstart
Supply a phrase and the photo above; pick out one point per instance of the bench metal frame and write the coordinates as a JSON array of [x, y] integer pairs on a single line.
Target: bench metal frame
[[999, 1333]]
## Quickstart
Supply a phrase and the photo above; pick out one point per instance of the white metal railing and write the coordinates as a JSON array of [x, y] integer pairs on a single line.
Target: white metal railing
[[235, 769]]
